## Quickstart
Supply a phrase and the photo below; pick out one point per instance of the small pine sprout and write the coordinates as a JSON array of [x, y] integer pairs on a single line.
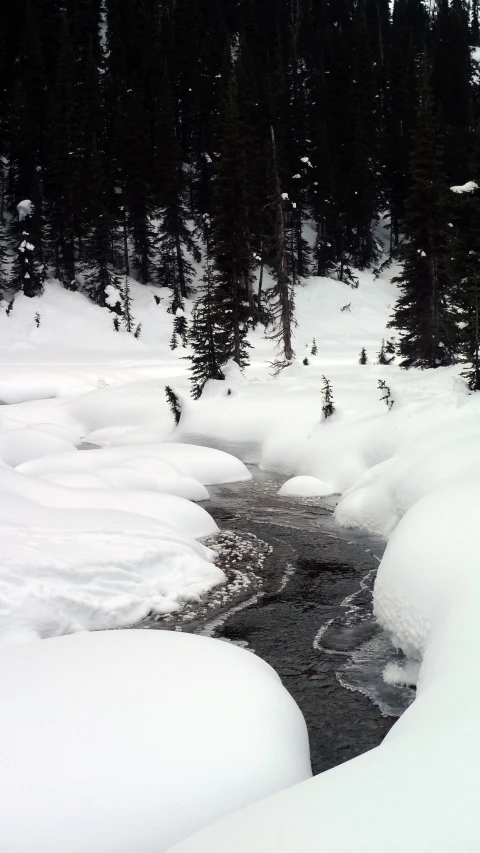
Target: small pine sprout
[[156, 298], [174, 404], [306, 361], [116, 324], [382, 386], [138, 331], [8, 309], [347, 307], [382, 356], [363, 356], [328, 407], [37, 319], [314, 349]]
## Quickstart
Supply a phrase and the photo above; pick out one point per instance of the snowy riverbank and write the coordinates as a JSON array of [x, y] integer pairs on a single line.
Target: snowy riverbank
[[409, 473]]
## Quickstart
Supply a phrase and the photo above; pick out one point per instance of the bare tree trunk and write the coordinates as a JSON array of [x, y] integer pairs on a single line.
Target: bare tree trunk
[[181, 271], [282, 275], [125, 242]]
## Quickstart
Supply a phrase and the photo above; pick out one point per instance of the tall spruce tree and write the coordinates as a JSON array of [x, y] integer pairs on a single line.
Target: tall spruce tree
[[204, 332], [423, 312], [231, 244]]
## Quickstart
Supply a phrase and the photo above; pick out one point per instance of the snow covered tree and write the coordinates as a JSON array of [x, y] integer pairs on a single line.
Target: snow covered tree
[[328, 406], [314, 349], [363, 356], [26, 274]]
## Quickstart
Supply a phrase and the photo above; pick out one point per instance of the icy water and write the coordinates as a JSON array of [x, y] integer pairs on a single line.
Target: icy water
[[299, 594]]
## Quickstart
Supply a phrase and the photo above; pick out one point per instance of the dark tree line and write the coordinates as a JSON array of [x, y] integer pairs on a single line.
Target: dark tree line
[[145, 132]]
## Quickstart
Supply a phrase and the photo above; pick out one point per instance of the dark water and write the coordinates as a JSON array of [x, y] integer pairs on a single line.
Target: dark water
[[299, 595]]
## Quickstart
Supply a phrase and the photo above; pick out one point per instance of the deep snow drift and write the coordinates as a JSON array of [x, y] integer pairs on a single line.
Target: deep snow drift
[[124, 741]]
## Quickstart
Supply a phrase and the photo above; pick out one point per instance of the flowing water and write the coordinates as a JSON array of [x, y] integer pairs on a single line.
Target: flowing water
[[299, 594]]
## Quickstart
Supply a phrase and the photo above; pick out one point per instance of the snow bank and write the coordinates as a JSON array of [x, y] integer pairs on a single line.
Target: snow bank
[[420, 789], [64, 570], [20, 445], [127, 741], [205, 464]]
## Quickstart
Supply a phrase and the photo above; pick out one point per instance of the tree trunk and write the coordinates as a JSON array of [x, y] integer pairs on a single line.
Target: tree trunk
[[281, 260]]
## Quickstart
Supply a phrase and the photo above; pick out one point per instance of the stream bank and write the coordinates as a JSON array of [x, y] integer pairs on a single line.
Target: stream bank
[[298, 594]]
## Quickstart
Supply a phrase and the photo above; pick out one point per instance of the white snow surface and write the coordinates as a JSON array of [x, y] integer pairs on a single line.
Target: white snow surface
[[305, 487], [420, 789], [469, 187], [123, 741], [409, 474]]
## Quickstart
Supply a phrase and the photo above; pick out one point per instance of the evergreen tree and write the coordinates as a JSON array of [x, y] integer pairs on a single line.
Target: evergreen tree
[[465, 269], [205, 360], [25, 273], [173, 403], [231, 247], [328, 406], [363, 356], [423, 311]]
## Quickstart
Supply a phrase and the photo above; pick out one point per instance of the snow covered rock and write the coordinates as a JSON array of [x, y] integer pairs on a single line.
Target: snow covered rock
[[305, 487], [128, 741]]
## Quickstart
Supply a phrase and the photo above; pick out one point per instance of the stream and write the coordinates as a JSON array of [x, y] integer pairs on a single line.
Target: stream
[[299, 594]]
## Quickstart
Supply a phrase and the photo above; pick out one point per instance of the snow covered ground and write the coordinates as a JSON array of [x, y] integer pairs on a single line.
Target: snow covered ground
[[409, 473], [126, 741]]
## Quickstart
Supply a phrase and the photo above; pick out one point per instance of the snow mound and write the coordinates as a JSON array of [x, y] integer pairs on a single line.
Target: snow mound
[[65, 570], [128, 741], [205, 464], [426, 595], [21, 445], [305, 487]]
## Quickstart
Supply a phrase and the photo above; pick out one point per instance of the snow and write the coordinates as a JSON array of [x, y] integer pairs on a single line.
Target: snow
[[24, 208], [305, 487], [100, 538], [420, 788], [124, 741], [205, 464], [469, 187]]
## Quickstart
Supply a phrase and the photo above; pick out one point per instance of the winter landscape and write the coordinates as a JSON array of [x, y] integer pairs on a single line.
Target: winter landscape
[[239, 426]]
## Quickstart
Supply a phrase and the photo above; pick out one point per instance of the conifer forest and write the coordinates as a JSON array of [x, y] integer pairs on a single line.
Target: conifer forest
[[147, 133]]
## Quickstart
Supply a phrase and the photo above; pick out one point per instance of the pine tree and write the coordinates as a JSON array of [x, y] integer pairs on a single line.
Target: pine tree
[[387, 397], [175, 240], [382, 356], [173, 403], [205, 360], [314, 349], [363, 356], [423, 311], [26, 274], [465, 270], [231, 247], [328, 406]]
